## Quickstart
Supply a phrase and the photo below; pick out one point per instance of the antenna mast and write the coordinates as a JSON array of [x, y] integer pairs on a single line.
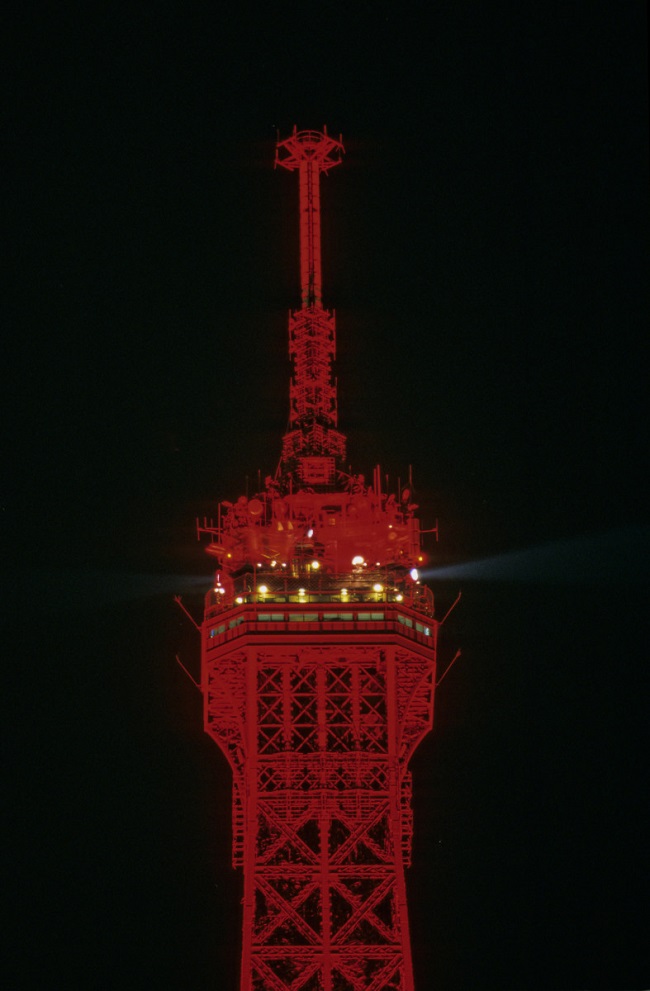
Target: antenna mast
[[313, 449]]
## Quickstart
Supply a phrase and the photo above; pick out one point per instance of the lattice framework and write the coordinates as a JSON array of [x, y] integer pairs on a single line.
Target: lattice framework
[[319, 738]]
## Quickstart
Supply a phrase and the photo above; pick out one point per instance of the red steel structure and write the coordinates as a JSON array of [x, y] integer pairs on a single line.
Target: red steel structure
[[318, 675]]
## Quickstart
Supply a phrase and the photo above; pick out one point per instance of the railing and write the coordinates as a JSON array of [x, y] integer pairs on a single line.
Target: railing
[[274, 587]]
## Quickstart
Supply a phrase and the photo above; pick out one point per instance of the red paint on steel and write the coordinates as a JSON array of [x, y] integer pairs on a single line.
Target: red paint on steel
[[318, 675]]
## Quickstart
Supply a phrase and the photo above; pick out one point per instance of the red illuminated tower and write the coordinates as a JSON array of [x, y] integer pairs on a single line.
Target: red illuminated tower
[[318, 676]]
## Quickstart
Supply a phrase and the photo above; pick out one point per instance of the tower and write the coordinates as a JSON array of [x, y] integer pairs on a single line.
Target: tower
[[318, 675]]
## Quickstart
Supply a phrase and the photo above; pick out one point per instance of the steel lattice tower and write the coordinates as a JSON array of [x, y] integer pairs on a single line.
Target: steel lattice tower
[[318, 676]]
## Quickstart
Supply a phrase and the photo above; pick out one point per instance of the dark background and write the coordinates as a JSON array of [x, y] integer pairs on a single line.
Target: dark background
[[485, 248]]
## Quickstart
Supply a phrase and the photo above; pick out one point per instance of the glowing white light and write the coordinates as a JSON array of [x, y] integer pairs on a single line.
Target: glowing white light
[[315, 565], [310, 532], [344, 591], [263, 589], [357, 559], [239, 600], [301, 591], [399, 597], [377, 587], [273, 564], [415, 574]]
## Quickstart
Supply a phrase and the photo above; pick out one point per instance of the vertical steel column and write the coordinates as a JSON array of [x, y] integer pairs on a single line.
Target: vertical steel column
[[250, 805], [394, 792], [324, 815]]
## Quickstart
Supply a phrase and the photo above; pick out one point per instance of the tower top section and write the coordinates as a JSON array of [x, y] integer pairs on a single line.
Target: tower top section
[[315, 524], [310, 152]]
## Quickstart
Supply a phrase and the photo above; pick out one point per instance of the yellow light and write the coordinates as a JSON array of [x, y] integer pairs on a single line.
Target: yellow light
[[377, 587], [263, 589], [239, 600], [344, 591], [399, 597], [357, 559], [273, 564], [315, 565], [301, 591]]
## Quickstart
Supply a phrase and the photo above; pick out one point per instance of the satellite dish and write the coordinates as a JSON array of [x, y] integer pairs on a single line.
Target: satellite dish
[[255, 507]]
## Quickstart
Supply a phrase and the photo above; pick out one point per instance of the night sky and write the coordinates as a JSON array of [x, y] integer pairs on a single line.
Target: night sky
[[485, 246]]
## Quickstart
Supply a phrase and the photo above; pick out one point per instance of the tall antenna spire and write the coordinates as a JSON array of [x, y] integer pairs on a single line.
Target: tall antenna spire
[[312, 449]]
